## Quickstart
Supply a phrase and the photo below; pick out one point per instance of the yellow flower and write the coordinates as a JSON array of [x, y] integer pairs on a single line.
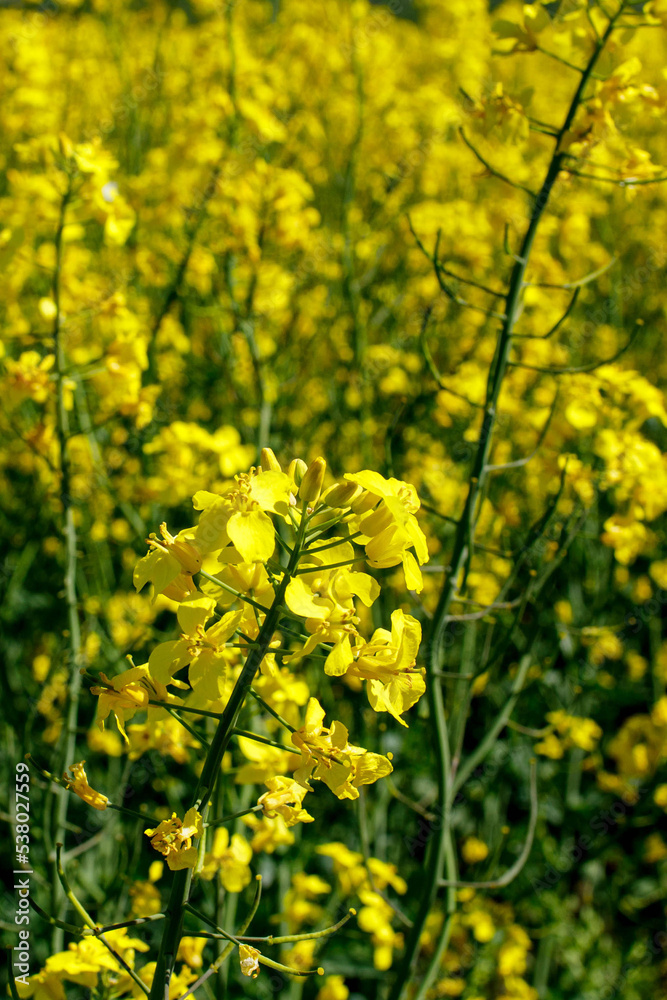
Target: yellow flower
[[204, 649], [231, 858], [190, 951], [299, 904], [655, 849], [313, 478], [535, 19], [573, 730], [162, 733], [28, 378], [375, 918], [660, 796], [584, 733], [333, 988], [512, 956], [451, 987], [249, 959], [637, 664], [285, 798], [173, 838], [325, 598], [385, 874], [78, 784], [481, 924], [81, 964], [391, 530], [550, 746], [126, 694], [170, 558], [145, 898], [387, 664], [300, 955], [264, 762], [350, 872], [474, 850], [240, 514], [327, 756], [269, 832]]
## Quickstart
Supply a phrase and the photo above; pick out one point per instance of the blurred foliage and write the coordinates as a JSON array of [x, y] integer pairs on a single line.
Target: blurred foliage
[[231, 226]]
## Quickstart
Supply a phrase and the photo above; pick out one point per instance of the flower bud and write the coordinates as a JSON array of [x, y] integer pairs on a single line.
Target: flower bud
[[297, 470], [268, 461], [311, 484], [365, 501], [341, 494]]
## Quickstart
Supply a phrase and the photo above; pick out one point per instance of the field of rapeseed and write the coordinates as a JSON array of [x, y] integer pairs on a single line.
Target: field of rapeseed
[[333, 499]]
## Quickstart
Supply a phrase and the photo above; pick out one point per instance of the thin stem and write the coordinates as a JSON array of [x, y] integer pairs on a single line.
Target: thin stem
[[463, 542], [230, 590], [316, 568], [480, 752], [332, 545], [622, 182], [575, 369], [436, 958], [262, 739], [308, 936], [236, 815], [557, 325], [182, 708], [226, 951], [518, 865], [89, 922], [492, 170], [71, 598], [265, 705], [54, 921], [579, 283], [144, 817], [193, 732], [96, 931]]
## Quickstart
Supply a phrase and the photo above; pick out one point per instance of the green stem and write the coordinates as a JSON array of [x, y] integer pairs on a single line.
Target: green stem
[[89, 922], [180, 890], [463, 540], [265, 705], [186, 725], [263, 739], [316, 568], [236, 815], [480, 752], [332, 545], [230, 590], [62, 426]]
